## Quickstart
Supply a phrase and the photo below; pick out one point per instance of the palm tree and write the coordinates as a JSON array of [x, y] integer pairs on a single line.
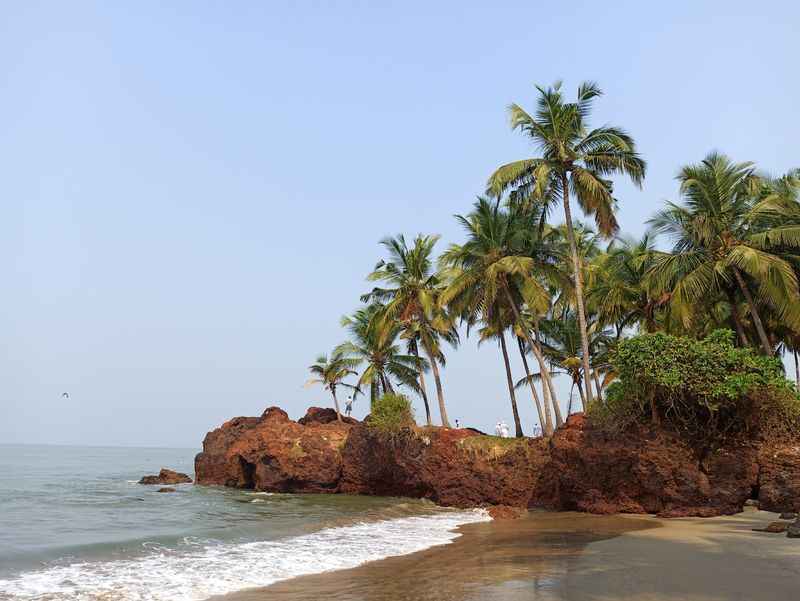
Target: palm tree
[[720, 242], [375, 348], [331, 375], [618, 288], [412, 301], [488, 272], [545, 419], [573, 158]]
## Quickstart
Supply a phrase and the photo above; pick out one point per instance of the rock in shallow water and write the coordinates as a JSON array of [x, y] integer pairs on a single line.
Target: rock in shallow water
[[166, 476], [167, 489]]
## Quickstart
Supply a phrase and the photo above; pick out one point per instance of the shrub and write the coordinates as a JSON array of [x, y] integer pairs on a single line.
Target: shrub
[[392, 412], [707, 389]]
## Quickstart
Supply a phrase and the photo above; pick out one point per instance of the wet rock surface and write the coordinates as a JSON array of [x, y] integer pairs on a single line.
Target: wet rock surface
[[166, 476]]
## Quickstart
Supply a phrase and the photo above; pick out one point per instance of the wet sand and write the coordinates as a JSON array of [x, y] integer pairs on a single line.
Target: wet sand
[[574, 557]]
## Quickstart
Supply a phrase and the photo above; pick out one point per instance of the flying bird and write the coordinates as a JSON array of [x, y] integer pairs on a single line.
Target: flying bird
[[64, 395]]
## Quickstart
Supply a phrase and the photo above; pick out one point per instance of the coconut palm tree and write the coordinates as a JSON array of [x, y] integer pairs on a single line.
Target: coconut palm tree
[[617, 287], [331, 374], [573, 159], [374, 348], [412, 300], [720, 242], [489, 272]]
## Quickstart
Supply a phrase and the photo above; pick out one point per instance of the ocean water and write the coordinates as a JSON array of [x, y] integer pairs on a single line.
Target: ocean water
[[75, 526]]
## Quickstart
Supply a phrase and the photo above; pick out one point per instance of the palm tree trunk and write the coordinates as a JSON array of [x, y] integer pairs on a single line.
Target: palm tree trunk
[[762, 334], [385, 384], [796, 370], [415, 350], [373, 393], [336, 404], [517, 423], [547, 387], [544, 419], [438, 381], [576, 265], [580, 392], [737, 323], [597, 385]]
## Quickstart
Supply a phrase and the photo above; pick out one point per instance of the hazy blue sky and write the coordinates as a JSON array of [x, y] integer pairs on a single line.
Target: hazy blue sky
[[192, 194]]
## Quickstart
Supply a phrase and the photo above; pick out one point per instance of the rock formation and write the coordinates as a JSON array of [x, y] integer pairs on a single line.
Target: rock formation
[[582, 468], [166, 476]]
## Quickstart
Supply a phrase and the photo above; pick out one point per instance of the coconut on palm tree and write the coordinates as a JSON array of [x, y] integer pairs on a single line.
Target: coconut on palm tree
[[573, 159], [330, 373]]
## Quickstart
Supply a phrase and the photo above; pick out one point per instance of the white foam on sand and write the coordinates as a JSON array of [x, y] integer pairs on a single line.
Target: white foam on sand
[[215, 569]]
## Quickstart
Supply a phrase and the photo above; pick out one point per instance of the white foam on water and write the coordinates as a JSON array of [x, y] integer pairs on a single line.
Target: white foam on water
[[216, 569]]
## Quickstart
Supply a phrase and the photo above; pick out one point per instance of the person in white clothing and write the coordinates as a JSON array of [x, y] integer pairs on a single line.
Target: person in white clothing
[[504, 429], [498, 429]]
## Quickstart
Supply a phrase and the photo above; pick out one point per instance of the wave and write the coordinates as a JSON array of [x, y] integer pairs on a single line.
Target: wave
[[215, 569]]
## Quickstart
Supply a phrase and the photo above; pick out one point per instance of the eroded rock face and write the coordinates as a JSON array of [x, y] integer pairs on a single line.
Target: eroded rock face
[[641, 471], [166, 476], [580, 468], [273, 453]]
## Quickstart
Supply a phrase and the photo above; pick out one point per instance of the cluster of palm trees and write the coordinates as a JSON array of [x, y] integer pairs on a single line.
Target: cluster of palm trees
[[556, 292]]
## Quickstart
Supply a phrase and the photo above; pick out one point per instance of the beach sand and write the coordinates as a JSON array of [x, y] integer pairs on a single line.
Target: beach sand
[[575, 557]]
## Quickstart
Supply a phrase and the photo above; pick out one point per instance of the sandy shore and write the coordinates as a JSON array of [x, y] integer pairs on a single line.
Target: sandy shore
[[575, 557]]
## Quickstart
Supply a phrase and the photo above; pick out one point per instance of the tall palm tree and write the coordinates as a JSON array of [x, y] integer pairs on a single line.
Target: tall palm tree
[[573, 159], [489, 272], [376, 350], [412, 300], [331, 374], [718, 244]]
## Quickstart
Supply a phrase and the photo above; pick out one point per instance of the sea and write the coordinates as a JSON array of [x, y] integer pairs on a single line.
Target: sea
[[76, 526]]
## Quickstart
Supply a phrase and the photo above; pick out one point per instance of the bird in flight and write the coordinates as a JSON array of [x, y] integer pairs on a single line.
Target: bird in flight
[[64, 395]]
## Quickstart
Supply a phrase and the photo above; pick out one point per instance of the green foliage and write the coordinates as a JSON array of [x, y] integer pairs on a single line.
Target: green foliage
[[392, 412], [704, 388]]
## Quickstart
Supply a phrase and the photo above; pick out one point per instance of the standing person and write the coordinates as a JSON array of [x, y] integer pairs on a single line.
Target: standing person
[[348, 407], [457, 424], [498, 429], [504, 429]]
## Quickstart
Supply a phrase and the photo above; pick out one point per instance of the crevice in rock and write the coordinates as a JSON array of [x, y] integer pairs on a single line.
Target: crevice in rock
[[248, 473]]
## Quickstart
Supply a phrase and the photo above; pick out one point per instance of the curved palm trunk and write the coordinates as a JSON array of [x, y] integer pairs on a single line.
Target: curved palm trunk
[[581, 392], [578, 277], [544, 418], [511, 394], [737, 323], [336, 403], [438, 381], [762, 334], [547, 387], [415, 350], [597, 385]]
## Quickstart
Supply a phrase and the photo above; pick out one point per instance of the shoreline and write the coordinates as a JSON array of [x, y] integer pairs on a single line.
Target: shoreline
[[574, 557]]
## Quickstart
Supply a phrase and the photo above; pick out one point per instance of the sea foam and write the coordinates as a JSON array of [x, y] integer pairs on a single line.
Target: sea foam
[[216, 569]]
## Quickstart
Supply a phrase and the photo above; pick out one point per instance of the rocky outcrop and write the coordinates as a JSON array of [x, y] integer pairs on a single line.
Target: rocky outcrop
[[166, 476], [274, 453], [581, 468]]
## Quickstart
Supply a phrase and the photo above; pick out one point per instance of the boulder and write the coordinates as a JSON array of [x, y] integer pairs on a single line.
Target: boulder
[[166, 476], [793, 531], [504, 512], [275, 454], [318, 415], [166, 489], [779, 478], [773, 527], [788, 515]]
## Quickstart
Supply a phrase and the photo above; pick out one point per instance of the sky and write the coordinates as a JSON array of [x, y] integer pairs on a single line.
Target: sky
[[191, 193]]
